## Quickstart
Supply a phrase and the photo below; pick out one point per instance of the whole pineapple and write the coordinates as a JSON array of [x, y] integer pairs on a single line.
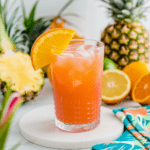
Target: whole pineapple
[[16, 69], [127, 40]]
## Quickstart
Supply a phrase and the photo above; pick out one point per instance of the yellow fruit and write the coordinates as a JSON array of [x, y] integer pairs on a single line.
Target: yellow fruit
[[116, 86], [136, 70], [56, 24], [49, 73], [141, 90], [76, 36], [49, 43]]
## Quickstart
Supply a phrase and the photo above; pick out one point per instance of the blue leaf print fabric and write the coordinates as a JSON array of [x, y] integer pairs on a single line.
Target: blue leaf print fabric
[[137, 133]]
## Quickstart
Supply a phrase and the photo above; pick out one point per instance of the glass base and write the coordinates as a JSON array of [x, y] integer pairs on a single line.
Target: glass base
[[77, 128]]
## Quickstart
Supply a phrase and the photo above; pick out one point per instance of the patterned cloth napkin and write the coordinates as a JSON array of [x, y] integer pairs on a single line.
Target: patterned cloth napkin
[[137, 134]]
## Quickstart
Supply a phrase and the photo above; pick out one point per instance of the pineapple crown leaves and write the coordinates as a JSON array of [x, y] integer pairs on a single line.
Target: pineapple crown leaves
[[126, 10], [64, 8], [30, 21], [34, 27], [11, 23], [61, 14]]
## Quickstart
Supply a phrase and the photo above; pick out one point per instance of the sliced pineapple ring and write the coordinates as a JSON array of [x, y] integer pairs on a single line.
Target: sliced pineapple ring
[[17, 72]]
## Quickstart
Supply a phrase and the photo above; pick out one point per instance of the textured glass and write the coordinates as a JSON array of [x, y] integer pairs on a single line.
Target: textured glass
[[77, 86]]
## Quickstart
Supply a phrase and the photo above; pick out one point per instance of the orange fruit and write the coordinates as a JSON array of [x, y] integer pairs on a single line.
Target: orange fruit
[[136, 70], [116, 86], [141, 90], [55, 24], [76, 36], [48, 44], [60, 24]]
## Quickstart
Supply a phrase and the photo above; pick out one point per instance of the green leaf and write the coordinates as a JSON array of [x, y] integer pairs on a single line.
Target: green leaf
[[120, 16], [4, 12], [30, 22], [5, 100], [10, 106], [16, 36], [16, 146], [106, 1], [139, 3], [126, 1], [129, 5], [13, 3], [5, 4], [128, 20], [11, 21], [23, 9], [126, 12], [3, 134], [32, 13], [72, 24], [0, 7], [11, 25], [7, 13], [66, 5], [119, 3], [38, 20], [72, 14]]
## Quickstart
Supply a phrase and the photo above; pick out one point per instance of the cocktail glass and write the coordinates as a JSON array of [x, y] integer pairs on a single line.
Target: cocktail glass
[[77, 85]]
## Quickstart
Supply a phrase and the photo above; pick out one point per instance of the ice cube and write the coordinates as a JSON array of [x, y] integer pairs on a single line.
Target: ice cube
[[73, 47], [69, 54], [87, 47], [81, 48], [83, 53], [90, 48]]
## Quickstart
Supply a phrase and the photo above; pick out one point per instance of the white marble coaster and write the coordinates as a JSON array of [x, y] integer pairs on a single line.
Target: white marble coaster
[[38, 126]]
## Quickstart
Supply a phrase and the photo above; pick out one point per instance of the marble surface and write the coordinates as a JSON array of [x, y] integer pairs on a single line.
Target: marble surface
[[38, 126], [14, 134]]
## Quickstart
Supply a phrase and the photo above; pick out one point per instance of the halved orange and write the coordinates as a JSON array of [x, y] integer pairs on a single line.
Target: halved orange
[[49, 43], [141, 90], [136, 70], [116, 86]]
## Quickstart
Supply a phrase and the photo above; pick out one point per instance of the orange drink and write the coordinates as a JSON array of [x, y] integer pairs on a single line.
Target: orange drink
[[77, 85]]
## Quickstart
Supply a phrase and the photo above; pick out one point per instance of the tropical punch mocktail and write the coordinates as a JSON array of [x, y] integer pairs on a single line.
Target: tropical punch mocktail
[[77, 71], [77, 85]]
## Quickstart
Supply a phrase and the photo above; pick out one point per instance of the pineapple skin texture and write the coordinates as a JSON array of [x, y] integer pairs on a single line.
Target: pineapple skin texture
[[126, 43], [27, 95]]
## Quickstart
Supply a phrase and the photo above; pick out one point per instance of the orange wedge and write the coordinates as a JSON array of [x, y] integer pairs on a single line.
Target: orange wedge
[[76, 36], [48, 44], [141, 90], [116, 86]]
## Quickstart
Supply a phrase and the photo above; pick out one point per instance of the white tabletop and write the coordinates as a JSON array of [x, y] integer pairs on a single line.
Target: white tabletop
[[14, 135]]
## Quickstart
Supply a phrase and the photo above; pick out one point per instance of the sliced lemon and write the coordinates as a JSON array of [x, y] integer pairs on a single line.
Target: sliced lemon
[[116, 86]]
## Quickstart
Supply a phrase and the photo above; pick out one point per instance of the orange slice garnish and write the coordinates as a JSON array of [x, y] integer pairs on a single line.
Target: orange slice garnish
[[48, 44]]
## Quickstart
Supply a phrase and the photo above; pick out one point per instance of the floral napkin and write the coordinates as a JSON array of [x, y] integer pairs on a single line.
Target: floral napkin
[[137, 133]]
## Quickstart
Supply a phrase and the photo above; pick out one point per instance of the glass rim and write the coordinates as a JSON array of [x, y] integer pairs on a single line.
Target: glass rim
[[101, 45]]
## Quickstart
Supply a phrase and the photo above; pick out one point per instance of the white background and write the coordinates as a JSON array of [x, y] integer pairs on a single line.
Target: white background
[[94, 18]]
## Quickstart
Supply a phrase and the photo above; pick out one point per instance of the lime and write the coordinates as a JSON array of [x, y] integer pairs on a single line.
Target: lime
[[109, 64]]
